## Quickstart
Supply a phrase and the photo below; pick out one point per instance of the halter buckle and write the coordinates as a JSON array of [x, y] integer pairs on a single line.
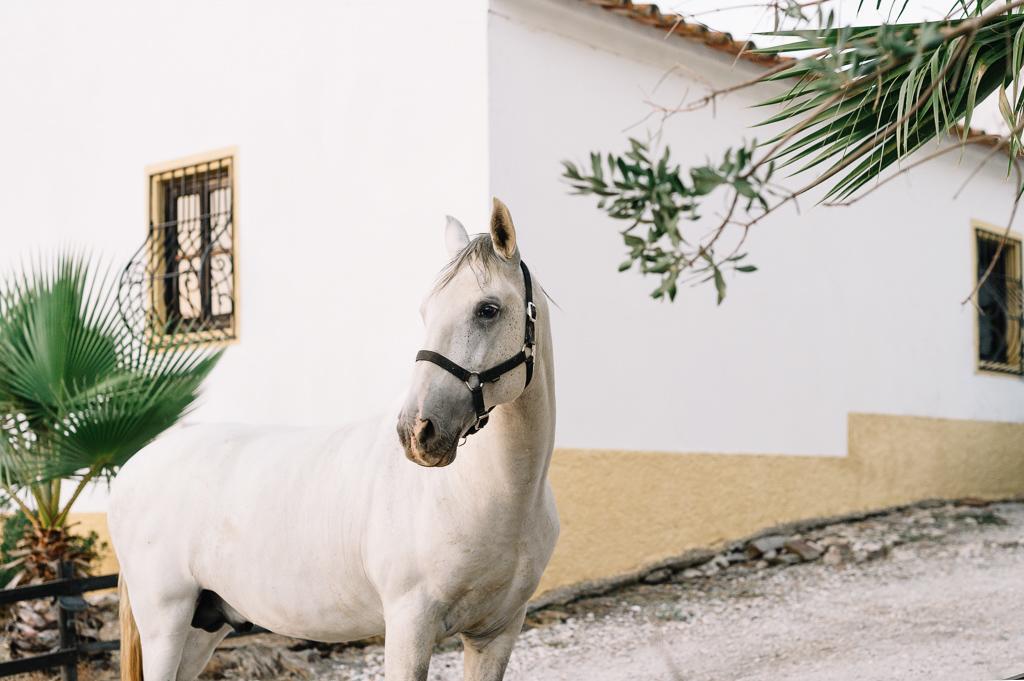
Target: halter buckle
[[478, 425], [473, 382], [531, 311], [528, 350]]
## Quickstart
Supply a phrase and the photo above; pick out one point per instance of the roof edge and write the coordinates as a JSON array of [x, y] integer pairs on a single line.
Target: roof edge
[[672, 23]]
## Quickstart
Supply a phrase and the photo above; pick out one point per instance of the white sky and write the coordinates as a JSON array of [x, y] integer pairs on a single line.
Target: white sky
[[745, 18]]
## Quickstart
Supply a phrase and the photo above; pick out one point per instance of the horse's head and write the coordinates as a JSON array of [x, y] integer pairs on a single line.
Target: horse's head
[[477, 319]]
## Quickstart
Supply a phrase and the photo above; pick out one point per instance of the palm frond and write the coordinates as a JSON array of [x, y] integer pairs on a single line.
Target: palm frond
[[79, 395], [872, 95]]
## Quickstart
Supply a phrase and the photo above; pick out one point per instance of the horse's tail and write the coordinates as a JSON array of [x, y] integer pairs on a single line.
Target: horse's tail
[[131, 646]]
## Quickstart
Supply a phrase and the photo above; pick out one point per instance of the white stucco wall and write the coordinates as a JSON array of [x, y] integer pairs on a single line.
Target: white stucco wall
[[359, 126], [853, 309]]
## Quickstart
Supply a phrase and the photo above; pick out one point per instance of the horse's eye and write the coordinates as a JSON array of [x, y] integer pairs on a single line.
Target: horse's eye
[[487, 311]]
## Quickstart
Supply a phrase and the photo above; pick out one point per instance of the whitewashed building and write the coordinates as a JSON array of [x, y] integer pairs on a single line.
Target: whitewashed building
[[327, 140]]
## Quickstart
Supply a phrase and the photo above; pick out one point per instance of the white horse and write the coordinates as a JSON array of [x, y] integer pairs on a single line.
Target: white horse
[[332, 535]]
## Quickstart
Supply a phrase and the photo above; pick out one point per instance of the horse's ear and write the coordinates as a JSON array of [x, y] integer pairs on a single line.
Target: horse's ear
[[503, 232], [455, 236]]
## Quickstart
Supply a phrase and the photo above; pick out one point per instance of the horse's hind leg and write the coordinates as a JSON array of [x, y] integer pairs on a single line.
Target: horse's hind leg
[[164, 621], [163, 644], [198, 649]]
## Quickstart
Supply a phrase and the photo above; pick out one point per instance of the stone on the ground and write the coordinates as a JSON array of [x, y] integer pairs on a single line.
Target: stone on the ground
[[658, 576], [547, 617], [763, 545], [834, 555], [785, 559], [688, 574], [803, 549]]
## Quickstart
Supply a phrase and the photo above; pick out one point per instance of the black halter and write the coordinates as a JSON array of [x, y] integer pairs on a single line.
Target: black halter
[[475, 380]]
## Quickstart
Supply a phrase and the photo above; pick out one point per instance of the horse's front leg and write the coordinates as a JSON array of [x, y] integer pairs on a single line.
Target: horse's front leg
[[485, 659], [410, 633]]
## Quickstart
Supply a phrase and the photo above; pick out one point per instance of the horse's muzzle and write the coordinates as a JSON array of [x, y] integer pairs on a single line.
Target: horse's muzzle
[[424, 443]]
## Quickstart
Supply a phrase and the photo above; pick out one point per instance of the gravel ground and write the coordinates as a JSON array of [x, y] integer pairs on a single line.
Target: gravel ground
[[947, 607], [923, 593], [944, 601]]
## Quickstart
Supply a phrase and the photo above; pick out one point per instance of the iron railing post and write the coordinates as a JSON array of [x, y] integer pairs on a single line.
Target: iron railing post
[[68, 633]]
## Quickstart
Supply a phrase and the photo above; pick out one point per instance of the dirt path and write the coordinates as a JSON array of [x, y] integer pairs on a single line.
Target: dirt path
[[946, 600]]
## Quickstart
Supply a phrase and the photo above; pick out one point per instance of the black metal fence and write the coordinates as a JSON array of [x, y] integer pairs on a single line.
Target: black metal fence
[[67, 590]]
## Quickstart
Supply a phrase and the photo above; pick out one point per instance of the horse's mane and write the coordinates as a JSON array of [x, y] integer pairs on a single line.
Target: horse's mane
[[478, 254]]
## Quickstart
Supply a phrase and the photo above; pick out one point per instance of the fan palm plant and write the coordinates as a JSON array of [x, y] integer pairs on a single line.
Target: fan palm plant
[[79, 395]]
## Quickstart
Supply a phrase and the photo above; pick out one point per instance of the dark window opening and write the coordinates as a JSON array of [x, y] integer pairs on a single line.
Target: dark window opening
[[192, 240], [999, 303]]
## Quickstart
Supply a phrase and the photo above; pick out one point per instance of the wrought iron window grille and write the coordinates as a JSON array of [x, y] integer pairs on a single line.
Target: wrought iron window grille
[[1000, 305], [180, 285]]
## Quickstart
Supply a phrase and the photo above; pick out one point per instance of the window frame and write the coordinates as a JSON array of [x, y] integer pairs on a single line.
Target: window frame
[[981, 229], [155, 174]]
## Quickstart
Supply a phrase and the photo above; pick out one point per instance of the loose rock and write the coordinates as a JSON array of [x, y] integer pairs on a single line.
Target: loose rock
[[803, 549], [657, 576], [763, 545], [833, 556], [785, 559]]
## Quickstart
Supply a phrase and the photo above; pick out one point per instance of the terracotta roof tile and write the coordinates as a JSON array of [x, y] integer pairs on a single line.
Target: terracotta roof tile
[[670, 22], [674, 24]]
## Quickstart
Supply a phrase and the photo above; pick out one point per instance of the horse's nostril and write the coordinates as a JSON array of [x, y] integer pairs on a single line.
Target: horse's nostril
[[424, 431]]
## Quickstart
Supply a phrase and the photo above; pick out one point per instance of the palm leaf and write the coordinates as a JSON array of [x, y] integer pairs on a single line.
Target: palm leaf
[[79, 395], [886, 91]]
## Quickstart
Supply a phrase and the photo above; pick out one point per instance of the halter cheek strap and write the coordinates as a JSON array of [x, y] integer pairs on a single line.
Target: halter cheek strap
[[475, 380]]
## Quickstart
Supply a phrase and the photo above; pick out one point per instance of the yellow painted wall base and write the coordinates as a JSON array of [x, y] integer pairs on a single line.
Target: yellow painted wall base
[[84, 523], [623, 510]]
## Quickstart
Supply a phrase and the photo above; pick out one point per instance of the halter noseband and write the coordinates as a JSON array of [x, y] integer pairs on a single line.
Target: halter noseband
[[475, 380]]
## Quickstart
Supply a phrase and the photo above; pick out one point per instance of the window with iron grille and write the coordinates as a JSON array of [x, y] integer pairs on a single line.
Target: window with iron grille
[[1000, 316], [192, 252]]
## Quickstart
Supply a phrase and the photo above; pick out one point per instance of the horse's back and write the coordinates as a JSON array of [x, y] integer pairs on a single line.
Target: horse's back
[[233, 509], [208, 466]]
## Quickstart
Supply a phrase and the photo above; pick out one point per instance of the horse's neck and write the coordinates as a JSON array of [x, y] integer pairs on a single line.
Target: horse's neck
[[509, 458]]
